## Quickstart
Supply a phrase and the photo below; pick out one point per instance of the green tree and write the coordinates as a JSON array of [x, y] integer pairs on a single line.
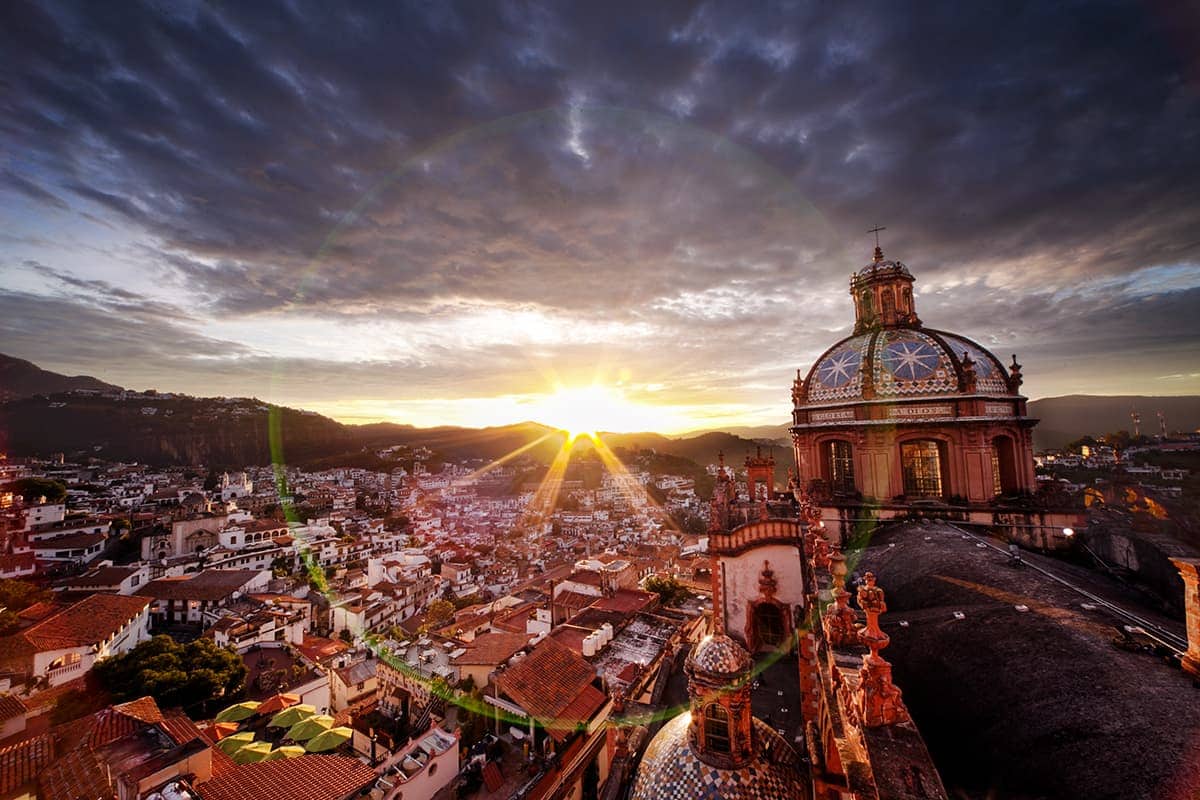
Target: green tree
[[175, 675], [438, 614], [669, 590], [33, 489]]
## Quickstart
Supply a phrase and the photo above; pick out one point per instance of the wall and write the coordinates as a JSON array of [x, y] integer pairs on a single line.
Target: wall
[[740, 582]]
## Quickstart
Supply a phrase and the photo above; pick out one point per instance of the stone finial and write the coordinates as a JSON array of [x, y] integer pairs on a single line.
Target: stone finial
[[1014, 369], [820, 551], [798, 389], [767, 583], [970, 379], [840, 621], [1189, 570], [870, 600], [878, 699]]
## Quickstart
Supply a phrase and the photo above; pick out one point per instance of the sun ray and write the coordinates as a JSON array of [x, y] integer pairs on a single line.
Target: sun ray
[[626, 482], [546, 495], [510, 455]]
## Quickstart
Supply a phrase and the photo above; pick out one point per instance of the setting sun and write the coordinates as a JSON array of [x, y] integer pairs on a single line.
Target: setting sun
[[588, 409]]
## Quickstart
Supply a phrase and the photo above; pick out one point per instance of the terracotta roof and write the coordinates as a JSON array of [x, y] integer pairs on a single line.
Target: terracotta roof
[[109, 724], [572, 599], [39, 611], [14, 562], [492, 648], [308, 777], [626, 601], [103, 576], [20, 763], [72, 541], [180, 727], [79, 774], [10, 707], [91, 620], [212, 584], [551, 680]]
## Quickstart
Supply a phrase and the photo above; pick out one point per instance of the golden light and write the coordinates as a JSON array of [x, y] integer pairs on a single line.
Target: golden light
[[589, 409]]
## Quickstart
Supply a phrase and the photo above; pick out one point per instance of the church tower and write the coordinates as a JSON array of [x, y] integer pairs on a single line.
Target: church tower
[[883, 295], [719, 687]]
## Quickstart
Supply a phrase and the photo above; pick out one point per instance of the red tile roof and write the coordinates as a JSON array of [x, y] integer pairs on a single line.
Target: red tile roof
[[626, 601], [109, 724], [212, 584], [88, 622], [492, 648], [20, 763], [79, 774], [308, 777], [554, 684], [10, 707]]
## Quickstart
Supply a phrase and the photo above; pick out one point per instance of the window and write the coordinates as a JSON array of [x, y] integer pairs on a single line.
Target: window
[[716, 729], [1004, 465], [768, 624], [840, 466], [997, 488], [921, 464]]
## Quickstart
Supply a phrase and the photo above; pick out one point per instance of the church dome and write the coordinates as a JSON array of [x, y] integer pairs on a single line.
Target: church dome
[[902, 362], [671, 769], [720, 655]]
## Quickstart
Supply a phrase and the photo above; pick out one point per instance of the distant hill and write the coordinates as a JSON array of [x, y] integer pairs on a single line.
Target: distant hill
[[21, 378], [1064, 419]]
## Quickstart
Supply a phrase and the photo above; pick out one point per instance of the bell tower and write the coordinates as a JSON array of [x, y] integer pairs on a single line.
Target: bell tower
[[722, 726], [882, 293]]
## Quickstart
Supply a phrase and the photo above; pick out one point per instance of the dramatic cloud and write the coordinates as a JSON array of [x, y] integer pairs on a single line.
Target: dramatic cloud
[[417, 205]]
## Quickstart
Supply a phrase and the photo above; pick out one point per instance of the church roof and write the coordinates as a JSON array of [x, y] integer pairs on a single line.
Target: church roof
[[901, 362], [671, 770], [1043, 701], [721, 655]]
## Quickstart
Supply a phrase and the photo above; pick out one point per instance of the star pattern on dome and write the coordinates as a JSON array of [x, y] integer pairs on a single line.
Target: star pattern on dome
[[839, 368], [910, 360]]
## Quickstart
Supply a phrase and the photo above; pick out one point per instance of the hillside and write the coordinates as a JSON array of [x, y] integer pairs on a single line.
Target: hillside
[[1064, 419], [21, 378]]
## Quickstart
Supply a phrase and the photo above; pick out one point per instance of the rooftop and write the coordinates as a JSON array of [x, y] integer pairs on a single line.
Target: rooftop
[[308, 777]]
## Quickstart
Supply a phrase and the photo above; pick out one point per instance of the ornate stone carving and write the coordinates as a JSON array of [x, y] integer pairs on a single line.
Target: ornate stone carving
[[840, 621], [878, 699]]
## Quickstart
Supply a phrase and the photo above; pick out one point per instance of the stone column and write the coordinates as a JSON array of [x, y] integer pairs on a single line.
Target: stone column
[[1189, 569]]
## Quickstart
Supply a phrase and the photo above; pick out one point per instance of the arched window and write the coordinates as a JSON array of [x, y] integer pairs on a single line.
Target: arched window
[[921, 464], [716, 728], [1004, 465], [768, 625], [889, 305], [839, 466]]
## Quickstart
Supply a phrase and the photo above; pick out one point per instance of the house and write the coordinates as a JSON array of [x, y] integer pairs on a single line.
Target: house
[[309, 777], [64, 646], [113, 580], [188, 598], [72, 547], [351, 684], [480, 658]]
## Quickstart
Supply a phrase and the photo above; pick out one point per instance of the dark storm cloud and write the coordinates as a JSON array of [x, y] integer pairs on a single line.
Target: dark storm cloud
[[705, 169]]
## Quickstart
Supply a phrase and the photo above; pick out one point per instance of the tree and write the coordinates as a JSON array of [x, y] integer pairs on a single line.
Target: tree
[[346, 636], [669, 590], [438, 614], [33, 489], [175, 675], [16, 596]]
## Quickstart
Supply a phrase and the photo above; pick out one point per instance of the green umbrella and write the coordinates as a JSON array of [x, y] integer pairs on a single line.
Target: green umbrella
[[335, 737], [231, 744], [287, 751], [290, 716], [306, 729], [255, 751], [238, 712]]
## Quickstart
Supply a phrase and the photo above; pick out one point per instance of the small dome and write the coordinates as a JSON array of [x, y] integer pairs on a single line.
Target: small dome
[[671, 770], [721, 655], [883, 267], [901, 362]]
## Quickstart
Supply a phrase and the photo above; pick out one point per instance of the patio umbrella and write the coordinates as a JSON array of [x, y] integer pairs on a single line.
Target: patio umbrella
[[287, 751], [220, 730], [277, 703], [255, 751], [231, 744], [290, 716], [306, 729], [238, 712], [334, 737]]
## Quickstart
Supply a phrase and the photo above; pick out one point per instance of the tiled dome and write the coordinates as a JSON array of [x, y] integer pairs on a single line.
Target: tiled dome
[[671, 770], [720, 655], [901, 362]]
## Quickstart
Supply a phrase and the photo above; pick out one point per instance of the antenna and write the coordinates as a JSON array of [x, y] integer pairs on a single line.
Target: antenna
[[1137, 423], [1162, 424]]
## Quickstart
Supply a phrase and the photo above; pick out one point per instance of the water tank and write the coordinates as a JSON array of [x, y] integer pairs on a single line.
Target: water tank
[[589, 645], [607, 630]]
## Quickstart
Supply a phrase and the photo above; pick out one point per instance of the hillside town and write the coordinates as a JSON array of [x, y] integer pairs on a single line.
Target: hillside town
[[419, 620]]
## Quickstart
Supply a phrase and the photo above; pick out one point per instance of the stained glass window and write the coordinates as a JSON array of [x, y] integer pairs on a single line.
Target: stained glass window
[[921, 464]]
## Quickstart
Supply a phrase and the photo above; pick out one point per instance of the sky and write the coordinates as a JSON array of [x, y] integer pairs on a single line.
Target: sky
[[478, 213]]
